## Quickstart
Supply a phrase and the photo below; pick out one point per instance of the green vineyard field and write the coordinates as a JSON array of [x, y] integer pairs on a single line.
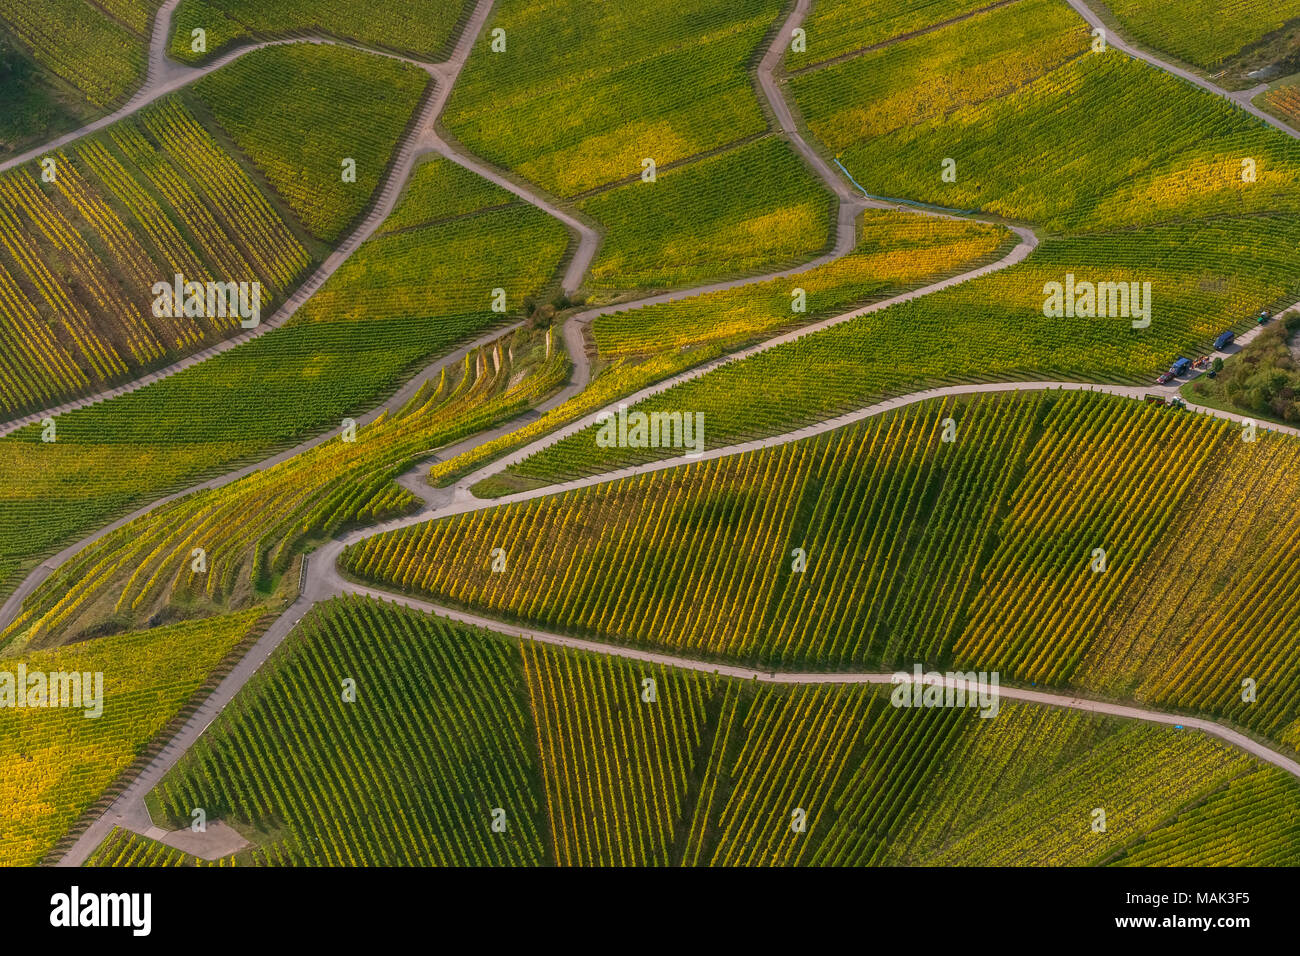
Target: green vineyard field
[[588, 760], [749, 210], [974, 552], [59, 34], [669, 87], [299, 111], [79, 257], [421, 28], [124, 848], [250, 530], [401, 300], [1155, 190], [1207, 35], [56, 762], [1209, 278], [408, 773], [894, 251]]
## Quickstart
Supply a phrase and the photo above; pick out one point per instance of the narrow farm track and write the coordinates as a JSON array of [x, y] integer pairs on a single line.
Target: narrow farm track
[[322, 578]]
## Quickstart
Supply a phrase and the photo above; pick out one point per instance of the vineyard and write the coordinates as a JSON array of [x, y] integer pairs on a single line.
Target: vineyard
[[1148, 194], [1251, 822], [618, 803], [58, 33], [894, 251], [55, 762], [748, 210], [1283, 101], [401, 300], [124, 848], [904, 84], [439, 191], [1207, 35], [154, 197], [880, 785], [1209, 277], [975, 552], [408, 773], [1098, 549], [1144, 147], [249, 531], [300, 111], [589, 760], [614, 380], [634, 560], [840, 28], [600, 87], [420, 28]]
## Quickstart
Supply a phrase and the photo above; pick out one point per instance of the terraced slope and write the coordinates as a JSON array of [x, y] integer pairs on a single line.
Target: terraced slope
[[977, 551], [249, 531], [422, 29], [56, 762], [401, 300], [583, 760]]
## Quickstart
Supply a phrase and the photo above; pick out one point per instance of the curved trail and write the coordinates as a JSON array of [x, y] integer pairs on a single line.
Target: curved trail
[[322, 579]]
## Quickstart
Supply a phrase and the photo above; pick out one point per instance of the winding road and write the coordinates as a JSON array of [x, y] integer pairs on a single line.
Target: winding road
[[322, 579]]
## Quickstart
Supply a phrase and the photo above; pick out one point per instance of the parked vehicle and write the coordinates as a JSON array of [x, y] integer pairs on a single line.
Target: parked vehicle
[[1181, 367], [1224, 340], [1264, 317], [1165, 378]]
